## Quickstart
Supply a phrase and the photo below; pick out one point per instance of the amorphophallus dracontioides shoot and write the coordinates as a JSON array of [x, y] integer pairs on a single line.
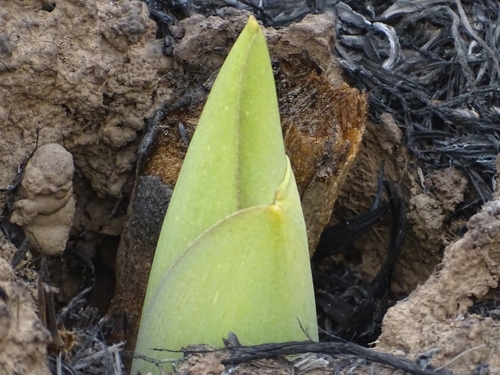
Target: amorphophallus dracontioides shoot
[[232, 254]]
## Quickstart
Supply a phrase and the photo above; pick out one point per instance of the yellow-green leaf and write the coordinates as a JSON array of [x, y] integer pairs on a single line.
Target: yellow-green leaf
[[248, 274], [236, 157], [232, 255]]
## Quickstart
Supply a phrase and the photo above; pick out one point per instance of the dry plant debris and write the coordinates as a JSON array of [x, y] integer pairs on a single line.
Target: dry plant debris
[[434, 67], [320, 359], [436, 313]]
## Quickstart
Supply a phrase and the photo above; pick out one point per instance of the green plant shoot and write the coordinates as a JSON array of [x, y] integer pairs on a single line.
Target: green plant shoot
[[232, 254]]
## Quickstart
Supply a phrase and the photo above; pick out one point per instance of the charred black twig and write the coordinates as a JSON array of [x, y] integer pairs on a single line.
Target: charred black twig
[[351, 309], [398, 231], [20, 253], [243, 354], [148, 140], [338, 238], [445, 85], [79, 298], [266, 351]]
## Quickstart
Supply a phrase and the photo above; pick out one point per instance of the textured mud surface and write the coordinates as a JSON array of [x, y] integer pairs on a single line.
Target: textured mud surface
[[86, 75], [435, 316], [23, 339]]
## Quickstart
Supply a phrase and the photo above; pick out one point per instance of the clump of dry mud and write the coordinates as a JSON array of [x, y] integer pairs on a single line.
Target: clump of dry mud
[[444, 189], [86, 75], [23, 339], [46, 208], [436, 313]]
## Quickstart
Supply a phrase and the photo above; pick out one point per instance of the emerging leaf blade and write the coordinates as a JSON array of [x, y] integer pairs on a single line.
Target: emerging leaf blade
[[232, 255], [236, 157], [247, 274]]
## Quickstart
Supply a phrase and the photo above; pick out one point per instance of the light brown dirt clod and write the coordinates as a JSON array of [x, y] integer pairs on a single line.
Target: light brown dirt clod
[[435, 314], [46, 208]]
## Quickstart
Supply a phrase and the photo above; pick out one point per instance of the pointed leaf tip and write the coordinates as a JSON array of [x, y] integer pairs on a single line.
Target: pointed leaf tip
[[252, 24], [236, 157]]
